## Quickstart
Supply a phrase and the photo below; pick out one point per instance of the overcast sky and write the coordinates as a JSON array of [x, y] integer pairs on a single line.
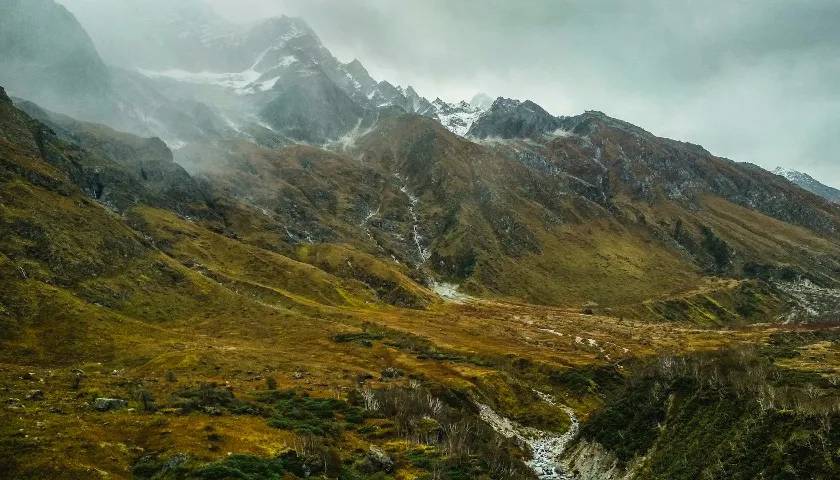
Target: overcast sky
[[755, 81]]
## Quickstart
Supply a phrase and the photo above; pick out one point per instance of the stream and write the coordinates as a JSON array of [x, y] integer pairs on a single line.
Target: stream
[[546, 447]]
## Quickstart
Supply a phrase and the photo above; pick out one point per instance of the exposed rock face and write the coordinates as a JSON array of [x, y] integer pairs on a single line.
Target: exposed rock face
[[115, 168], [509, 118], [619, 157], [312, 109], [379, 460], [590, 461]]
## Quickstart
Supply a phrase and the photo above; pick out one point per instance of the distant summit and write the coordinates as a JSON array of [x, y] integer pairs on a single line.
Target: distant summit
[[508, 118], [810, 184], [481, 100]]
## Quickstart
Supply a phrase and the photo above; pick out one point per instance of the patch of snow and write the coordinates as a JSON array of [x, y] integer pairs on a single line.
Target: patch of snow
[[553, 332], [242, 83], [561, 133], [457, 117], [176, 144], [286, 61], [266, 85], [348, 140], [449, 292], [236, 81]]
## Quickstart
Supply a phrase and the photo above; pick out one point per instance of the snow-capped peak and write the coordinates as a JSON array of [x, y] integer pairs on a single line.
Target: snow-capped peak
[[457, 117], [809, 183]]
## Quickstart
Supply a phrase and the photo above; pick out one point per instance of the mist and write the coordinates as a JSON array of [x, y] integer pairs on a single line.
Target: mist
[[754, 81]]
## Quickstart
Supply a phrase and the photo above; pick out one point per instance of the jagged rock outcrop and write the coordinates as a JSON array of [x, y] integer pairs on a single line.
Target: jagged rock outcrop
[[508, 118]]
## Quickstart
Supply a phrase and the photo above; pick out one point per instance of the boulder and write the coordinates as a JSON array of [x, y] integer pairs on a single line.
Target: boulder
[[35, 395], [106, 404], [379, 460]]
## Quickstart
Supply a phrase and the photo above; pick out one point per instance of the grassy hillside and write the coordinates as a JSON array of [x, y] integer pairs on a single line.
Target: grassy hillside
[[244, 350]]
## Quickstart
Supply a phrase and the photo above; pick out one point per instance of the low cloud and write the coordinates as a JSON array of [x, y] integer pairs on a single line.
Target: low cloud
[[752, 80]]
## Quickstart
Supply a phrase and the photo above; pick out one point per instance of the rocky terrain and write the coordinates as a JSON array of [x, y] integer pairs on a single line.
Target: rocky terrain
[[240, 257]]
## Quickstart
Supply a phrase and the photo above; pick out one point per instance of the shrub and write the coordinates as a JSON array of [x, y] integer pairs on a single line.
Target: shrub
[[270, 383]]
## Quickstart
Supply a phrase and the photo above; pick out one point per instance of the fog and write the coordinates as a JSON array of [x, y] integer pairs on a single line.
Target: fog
[[750, 80]]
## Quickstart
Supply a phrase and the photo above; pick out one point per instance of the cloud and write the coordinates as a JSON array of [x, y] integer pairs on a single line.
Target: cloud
[[753, 80]]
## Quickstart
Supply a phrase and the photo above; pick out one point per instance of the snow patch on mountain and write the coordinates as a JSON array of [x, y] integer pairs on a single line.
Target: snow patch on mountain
[[456, 117], [236, 81], [450, 292]]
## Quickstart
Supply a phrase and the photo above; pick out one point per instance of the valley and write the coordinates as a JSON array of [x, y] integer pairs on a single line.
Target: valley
[[245, 259]]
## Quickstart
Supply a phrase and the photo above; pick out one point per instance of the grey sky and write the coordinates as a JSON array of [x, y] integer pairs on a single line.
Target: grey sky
[[751, 80]]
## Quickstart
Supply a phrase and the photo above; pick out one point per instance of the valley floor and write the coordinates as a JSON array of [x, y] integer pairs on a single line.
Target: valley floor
[[339, 385]]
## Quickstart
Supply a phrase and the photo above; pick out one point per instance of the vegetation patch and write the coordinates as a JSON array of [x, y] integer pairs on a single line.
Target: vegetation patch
[[322, 417], [730, 414]]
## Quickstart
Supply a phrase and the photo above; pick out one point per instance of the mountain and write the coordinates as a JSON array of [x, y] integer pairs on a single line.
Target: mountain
[[50, 59], [113, 286], [202, 79], [48, 56], [809, 183], [245, 258], [529, 212], [507, 118]]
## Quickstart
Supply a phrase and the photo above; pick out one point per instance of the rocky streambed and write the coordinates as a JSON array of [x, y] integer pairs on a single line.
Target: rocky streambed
[[546, 447]]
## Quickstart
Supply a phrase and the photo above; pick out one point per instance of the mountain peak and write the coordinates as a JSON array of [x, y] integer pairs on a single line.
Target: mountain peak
[[481, 100], [511, 118], [809, 183], [359, 73]]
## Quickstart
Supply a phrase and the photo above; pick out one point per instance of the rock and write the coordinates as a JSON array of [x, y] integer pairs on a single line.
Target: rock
[[380, 460], [35, 395], [589, 308], [507, 118], [391, 372], [210, 410], [106, 404]]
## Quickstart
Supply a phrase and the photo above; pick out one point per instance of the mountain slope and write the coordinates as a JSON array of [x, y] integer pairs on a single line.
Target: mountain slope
[[565, 218], [809, 183], [507, 118], [48, 56]]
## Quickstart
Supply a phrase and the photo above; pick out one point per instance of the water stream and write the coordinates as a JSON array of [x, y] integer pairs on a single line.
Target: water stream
[[546, 447]]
